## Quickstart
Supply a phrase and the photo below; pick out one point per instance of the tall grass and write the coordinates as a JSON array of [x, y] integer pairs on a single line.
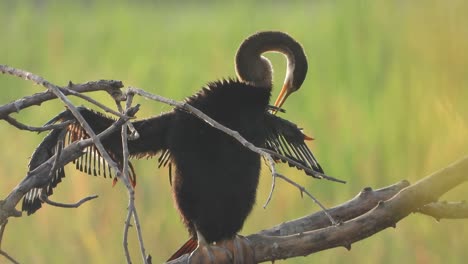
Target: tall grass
[[386, 98]]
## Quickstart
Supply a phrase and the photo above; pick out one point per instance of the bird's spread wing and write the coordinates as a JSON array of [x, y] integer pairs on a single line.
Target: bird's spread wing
[[91, 162], [286, 139]]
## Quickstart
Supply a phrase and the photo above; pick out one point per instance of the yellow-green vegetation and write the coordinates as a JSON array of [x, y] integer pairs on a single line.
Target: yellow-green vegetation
[[386, 99]]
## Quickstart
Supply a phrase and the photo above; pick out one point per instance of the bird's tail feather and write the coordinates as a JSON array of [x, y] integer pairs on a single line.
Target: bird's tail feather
[[187, 248]]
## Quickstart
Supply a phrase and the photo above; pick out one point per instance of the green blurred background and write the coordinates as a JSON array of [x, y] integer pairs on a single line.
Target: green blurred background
[[386, 98]]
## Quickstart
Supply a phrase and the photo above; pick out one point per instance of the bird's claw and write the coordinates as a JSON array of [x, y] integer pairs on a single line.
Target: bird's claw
[[230, 251], [210, 254], [241, 249]]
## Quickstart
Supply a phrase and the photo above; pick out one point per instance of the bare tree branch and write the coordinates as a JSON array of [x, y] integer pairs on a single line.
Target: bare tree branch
[[117, 96], [3, 253], [362, 203], [445, 210], [304, 190], [131, 192], [40, 175], [22, 126], [385, 214], [110, 86], [368, 213], [46, 200]]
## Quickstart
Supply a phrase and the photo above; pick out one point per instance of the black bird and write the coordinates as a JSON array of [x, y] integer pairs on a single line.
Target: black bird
[[215, 177]]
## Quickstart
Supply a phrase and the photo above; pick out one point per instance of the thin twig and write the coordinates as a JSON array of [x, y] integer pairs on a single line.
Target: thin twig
[[44, 197], [133, 132], [131, 192], [316, 174], [3, 253], [126, 158], [136, 220], [58, 152], [273, 171], [46, 200], [100, 105], [131, 198], [303, 190], [10, 258], [272, 188], [22, 126]]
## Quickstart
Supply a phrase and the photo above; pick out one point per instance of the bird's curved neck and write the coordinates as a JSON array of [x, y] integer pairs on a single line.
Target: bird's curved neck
[[253, 68]]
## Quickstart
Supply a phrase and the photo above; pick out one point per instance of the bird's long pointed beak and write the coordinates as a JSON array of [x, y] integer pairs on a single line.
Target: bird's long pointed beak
[[285, 92]]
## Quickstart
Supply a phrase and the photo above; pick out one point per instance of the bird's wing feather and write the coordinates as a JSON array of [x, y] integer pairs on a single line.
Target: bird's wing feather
[[151, 141], [286, 139]]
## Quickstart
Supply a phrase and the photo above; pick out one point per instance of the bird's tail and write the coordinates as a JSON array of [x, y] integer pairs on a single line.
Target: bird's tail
[[187, 248]]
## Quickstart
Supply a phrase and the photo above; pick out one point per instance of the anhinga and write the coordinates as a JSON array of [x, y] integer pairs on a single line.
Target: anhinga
[[215, 177]]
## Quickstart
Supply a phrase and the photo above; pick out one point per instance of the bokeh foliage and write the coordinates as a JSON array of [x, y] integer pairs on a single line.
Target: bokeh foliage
[[386, 98]]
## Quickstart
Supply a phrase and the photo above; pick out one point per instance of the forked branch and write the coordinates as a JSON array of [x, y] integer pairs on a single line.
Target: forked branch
[[365, 215]]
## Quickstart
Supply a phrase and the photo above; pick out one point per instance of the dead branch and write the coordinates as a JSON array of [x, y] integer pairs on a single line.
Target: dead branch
[[365, 215], [3, 253], [132, 212], [386, 214], [41, 174], [22, 126], [110, 86], [46, 200], [445, 210], [362, 203]]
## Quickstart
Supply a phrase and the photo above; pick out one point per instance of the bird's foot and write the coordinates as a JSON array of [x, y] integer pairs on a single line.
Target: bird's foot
[[212, 254], [241, 250], [230, 251]]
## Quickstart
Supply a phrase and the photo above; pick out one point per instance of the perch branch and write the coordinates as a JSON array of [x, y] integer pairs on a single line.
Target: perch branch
[[360, 204], [368, 213], [385, 214]]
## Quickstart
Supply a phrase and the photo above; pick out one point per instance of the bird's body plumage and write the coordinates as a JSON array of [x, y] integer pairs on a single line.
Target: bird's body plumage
[[216, 191]]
